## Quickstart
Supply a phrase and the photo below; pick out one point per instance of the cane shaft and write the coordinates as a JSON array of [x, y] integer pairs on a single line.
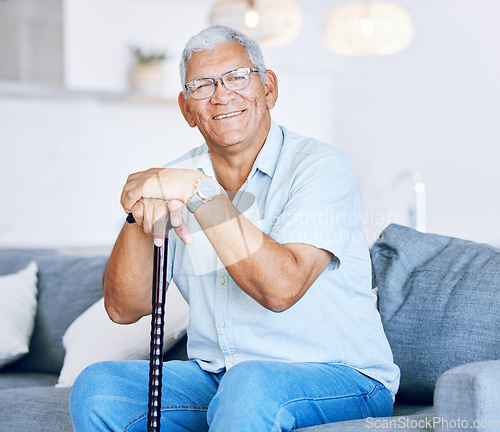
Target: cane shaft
[[157, 330]]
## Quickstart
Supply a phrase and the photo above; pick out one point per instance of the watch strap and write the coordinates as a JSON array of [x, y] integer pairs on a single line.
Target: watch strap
[[198, 197], [194, 202]]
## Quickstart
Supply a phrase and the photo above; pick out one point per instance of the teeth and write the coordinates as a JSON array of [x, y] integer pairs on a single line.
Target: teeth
[[223, 116]]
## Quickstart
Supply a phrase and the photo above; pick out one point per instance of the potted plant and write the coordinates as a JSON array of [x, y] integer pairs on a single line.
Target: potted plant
[[147, 74]]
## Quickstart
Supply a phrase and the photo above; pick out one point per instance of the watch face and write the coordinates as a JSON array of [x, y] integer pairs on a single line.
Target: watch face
[[207, 188]]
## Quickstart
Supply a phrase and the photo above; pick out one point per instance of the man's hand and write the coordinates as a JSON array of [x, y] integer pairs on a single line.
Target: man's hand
[[157, 195]]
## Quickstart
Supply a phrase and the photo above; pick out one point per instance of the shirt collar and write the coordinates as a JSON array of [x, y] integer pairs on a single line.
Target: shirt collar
[[204, 163], [267, 159]]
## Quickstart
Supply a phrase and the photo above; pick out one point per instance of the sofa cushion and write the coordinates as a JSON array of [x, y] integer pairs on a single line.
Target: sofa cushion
[[25, 379], [439, 299], [67, 286], [18, 293], [41, 409], [420, 421]]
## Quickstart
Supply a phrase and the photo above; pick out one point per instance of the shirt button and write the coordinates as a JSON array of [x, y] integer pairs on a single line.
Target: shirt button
[[222, 281], [231, 360], [222, 324]]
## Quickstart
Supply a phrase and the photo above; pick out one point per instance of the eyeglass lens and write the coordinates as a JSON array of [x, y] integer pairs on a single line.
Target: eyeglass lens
[[232, 80]]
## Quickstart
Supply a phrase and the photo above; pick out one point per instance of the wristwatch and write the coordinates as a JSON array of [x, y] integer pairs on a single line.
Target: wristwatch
[[205, 189]]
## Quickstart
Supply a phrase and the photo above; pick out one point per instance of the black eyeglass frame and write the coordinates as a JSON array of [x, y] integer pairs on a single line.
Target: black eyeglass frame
[[221, 78]]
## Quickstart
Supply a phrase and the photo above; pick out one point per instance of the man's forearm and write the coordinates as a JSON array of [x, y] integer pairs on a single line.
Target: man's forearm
[[128, 278], [273, 274]]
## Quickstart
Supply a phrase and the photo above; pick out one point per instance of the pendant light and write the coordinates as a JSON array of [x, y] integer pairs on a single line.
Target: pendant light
[[368, 28], [269, 22]]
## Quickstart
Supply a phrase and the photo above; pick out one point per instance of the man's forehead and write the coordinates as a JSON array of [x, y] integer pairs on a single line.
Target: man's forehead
[[224, 57]]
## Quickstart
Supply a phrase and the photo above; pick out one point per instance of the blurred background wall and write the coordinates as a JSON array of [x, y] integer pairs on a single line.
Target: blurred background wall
[[71, 130]]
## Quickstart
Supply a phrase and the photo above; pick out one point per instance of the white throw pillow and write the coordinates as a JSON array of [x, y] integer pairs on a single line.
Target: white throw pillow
[[93, 337], [18, 304]]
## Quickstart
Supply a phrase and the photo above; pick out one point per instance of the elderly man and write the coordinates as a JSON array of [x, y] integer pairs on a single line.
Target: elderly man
[[271, 257]]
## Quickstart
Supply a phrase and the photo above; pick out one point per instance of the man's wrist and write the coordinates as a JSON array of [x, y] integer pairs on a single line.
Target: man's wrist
[[206, 188], [190, 189]]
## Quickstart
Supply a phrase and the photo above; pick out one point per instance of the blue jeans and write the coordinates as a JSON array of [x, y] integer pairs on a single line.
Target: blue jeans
[[253, 396]]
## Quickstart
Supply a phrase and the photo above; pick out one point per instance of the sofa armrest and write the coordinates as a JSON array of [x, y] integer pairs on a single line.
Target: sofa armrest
[[467, 397]]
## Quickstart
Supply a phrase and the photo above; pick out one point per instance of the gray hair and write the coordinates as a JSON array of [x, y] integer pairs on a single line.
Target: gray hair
[[210, 38]]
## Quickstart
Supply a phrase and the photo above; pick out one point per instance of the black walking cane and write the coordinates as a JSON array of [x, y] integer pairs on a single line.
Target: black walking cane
[[157, 328]]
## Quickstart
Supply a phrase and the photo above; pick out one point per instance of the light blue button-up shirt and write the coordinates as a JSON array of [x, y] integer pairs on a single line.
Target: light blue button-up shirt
[[299, 191]]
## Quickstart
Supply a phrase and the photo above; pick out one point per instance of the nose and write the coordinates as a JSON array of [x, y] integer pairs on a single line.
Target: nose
[[221, 93], [217, 80]]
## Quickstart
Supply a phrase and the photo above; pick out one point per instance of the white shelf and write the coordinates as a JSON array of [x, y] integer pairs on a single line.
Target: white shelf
[[11, 89]]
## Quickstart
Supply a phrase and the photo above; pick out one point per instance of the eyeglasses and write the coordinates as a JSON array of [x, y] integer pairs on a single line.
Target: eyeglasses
[[234, 80]]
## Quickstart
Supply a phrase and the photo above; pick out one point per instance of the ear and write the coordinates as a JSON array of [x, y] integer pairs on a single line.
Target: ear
[[186, 109], [271, 86]]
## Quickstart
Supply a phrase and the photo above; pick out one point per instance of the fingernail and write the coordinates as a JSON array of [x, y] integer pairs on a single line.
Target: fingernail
[[158, 242]]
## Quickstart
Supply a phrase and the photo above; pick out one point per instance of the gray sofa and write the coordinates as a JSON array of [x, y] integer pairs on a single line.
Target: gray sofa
[[439, 299]]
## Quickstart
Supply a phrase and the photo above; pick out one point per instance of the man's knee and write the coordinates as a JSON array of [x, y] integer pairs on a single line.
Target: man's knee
[[94, 394], [246, 385], [85, 387], [248, 398], [255, 376]]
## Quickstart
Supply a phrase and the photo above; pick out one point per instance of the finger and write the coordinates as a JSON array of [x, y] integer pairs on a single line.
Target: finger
[[183, 233], [131, 193], [123, 200], [175, 212], [138, 211], [126, 187], [160, 222], [148, 216]]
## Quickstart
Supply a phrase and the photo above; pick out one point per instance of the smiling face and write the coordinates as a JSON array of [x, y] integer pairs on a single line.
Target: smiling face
[[229, 120]]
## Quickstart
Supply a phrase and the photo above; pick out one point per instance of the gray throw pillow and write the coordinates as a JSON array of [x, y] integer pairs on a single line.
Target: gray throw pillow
[[67, 286], [439, 302]]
